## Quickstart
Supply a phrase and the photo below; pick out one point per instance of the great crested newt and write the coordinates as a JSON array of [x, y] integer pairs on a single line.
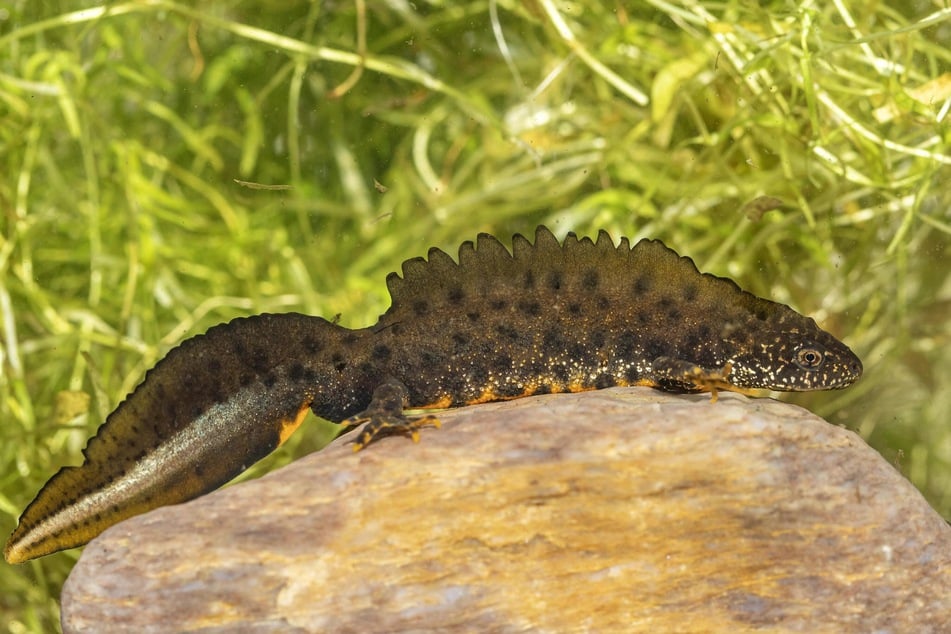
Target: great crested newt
[[545, 317]]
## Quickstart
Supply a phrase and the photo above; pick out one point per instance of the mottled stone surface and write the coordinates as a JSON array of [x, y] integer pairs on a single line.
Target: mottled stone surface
[[617, 510]]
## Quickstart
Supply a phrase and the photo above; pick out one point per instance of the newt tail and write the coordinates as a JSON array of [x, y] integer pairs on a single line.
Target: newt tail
[[546, 317]]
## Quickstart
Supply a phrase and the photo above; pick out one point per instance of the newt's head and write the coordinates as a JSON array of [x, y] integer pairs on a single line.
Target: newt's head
[[797, 359]]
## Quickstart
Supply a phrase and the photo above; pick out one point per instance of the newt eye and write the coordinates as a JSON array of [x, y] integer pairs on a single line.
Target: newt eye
[[809, 358]]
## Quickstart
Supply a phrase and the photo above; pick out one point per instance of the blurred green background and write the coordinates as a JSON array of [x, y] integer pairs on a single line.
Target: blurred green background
[[165, 167]]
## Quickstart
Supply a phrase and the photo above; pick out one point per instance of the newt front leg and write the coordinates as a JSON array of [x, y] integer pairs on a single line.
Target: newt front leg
[[384, 416], [691, 377]]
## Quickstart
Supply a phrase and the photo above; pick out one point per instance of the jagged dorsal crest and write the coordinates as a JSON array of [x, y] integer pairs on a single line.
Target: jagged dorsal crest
[[486, 268], [486, 265]]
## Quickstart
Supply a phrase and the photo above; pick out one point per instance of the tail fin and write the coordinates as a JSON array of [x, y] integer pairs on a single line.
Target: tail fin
[[214, 406]]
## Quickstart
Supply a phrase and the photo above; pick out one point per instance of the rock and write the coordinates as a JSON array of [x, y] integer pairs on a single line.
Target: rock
[[618, 510]]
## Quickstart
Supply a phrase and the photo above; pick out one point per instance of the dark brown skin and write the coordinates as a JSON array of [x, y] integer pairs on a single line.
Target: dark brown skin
[[548, 317]]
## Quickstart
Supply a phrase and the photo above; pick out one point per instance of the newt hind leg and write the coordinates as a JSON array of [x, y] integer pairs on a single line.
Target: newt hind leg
[[384, 416]]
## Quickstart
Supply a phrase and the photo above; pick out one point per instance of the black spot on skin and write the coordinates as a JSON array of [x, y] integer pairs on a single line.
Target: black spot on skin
[[631, 375], [642, 284], [349, 338], [338, 361], [654, 349], [590, 280], [502, 363], [531, 308], [396, 329], [456, 295], [602, 302], [459, 342], [536, 367], [597, 338], [574, 308], [431, 358], [665, 303], [269, 380], [479, 377], [508, 332], [626, 345], [381, 351], [420, 306], [473, 315], [544, 388], [367, 369], [455, 386], [693, 342], [577, 351], [674, 314], [312, 345], [643, 318], [604, 380], [553, 343], [259, 360], [690, 292], [555, 280], [296, 373], [246, 379], [217, 394], [529, 280], [497, 304]]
